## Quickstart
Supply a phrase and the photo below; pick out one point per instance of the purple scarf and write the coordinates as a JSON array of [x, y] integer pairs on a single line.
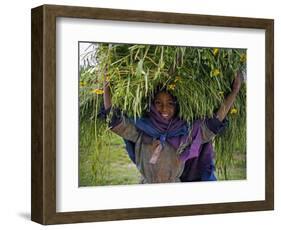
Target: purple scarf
[[163, 126], [176, 132]]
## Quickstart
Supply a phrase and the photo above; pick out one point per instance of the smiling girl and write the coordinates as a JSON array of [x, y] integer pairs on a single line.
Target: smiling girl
[[166, 148]]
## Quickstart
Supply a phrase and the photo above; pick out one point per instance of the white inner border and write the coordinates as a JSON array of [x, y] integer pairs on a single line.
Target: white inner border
[[72, 198]]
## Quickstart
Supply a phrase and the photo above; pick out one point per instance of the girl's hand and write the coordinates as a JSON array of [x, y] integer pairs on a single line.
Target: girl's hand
[[236, 84]]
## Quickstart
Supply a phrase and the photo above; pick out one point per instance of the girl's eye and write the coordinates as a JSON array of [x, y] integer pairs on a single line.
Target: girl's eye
[[157, 103]]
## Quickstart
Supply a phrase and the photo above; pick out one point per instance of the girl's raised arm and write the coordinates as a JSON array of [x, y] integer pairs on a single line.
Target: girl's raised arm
[[229, 100], [106, 95]]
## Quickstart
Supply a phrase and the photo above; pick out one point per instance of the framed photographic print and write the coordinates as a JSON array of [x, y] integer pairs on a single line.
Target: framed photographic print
[[139, 114]]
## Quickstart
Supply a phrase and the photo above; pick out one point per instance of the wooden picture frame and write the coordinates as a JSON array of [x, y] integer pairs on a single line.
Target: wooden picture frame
[[43, 189]]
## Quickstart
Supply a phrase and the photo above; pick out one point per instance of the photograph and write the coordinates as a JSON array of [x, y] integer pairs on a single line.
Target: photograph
[[161, 114]]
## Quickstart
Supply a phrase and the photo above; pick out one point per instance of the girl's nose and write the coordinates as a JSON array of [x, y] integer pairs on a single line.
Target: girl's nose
[[164, 108]]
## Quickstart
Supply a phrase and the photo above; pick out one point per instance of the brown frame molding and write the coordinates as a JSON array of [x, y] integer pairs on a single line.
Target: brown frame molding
[[43, 110]]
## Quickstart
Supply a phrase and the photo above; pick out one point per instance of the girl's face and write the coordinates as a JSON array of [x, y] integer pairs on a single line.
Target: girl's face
[[165, 105]]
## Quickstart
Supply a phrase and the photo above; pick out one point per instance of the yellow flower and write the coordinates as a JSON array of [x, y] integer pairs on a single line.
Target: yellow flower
[[215, 72], [107, 78], [82, 83], [233, 111], [215, 51], [97, 91], [243, 58], [171, 87]]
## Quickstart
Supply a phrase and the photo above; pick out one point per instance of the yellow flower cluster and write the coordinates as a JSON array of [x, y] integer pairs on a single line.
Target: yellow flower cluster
[[82, 83], [215, 51], [97, 91], [171, 86], [233, 111], [215, 72], [243, 58]]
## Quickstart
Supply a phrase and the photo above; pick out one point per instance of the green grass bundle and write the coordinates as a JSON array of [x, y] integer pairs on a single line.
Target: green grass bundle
[[199, 78]]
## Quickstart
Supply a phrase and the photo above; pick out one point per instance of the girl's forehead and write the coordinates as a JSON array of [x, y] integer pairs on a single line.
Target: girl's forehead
[[164, 96]]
